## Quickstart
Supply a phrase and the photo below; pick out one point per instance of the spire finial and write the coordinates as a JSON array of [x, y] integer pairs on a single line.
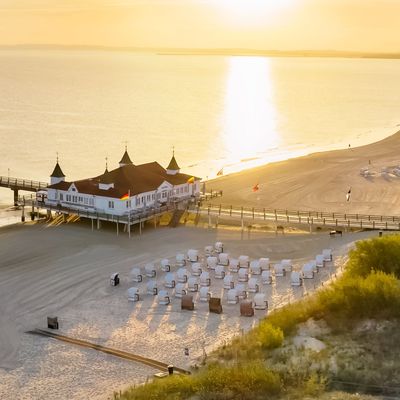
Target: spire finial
[[126, 145], [106, 163], [57, 156], [173, 151]]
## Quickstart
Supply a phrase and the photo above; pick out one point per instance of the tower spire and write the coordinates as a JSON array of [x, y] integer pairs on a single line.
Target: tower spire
[[173, 167]]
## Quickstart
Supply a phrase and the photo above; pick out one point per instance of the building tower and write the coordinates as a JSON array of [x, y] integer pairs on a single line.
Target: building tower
[[57, 175], [125, 160], [173, 167]]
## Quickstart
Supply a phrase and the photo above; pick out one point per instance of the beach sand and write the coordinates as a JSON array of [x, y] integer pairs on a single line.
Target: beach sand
[[320, 181], [64, 271]]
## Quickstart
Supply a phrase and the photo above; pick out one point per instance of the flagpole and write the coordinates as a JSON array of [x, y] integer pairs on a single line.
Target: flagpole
[[129, 213]]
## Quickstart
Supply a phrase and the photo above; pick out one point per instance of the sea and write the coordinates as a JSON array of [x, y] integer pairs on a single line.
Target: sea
[[218, 113]]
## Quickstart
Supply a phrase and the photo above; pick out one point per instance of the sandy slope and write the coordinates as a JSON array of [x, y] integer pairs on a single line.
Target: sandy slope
[[320, 181], [64, 271]]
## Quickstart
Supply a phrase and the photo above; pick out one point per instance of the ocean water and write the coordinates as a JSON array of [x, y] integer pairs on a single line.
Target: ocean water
[[217, 111]]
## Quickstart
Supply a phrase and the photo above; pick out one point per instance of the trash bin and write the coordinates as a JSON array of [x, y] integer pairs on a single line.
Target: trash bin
[[380, 233], [170, 369]]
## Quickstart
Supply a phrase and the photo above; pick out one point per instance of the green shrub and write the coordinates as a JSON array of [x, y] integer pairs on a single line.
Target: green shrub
[[268, 336]]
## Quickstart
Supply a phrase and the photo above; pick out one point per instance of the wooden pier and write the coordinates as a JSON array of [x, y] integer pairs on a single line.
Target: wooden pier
[[16, 184]]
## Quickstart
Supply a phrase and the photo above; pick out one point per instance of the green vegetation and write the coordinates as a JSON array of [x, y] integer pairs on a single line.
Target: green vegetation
[[361, 312]]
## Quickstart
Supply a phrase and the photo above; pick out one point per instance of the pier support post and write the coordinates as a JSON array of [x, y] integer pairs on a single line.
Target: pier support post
[[92, 224], [15, 197], [117, 228], [129, 229], [23, 214], [98, 223]]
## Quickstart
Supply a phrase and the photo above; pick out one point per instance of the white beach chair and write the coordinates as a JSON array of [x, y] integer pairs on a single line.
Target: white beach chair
[[266, 277], [163, 298], [133, 294], [327, 253], [165, 265], [182, 275], [209, 250], [136, 275], [150, 270], [264, 264], [223, 259], [219, 272], [193, 284], [204, 294], [287, 264], [152, 288], [228, 282], [296, 279], [320, 261], [169, 280], [232, 297], [255, 268], [243, 275], [205, 279], [241, 291], [193, 255], [212, 262], [279, 270], [253, 286], [308, 271], [180, 290], [219, 247], [197, 269], [244, 261], [180, 260], [260, 301], [314, 265], [114, 279], [233, 265]]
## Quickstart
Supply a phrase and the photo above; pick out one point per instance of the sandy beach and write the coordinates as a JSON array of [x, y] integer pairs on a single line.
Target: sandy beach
[[64, 271]]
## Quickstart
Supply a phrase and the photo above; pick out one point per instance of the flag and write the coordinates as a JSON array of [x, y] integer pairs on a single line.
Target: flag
[[256, 188], [220, 172], [191, 180], [125, 197], [348, 195]]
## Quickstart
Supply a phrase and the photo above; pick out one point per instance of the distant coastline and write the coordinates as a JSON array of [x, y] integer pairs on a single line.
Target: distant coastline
[[210, 52]]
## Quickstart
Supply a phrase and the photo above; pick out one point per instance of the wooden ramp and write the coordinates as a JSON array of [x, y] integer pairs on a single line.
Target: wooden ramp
[[108, 350]]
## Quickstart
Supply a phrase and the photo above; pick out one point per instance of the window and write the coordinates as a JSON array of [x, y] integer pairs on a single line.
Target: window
[[61, 197], [74, 199], [86, 200], [128, 204], [148, 197], [164, 195], [80, 199], [110, 204], [153, 196], [91, 202], [137, 201]]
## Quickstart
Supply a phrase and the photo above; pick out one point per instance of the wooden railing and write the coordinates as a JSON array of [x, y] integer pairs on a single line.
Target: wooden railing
[[22, 184]]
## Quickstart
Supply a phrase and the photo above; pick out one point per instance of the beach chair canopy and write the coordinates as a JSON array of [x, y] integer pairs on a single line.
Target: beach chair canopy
[[244, 261], [233, 265], [232, 296], [152, 287], [243, 275], [266, 277], [219, 247], [215, 306], [228, 282], [193, 255], [223, 259], [308, 270], [193, 284], [255, 267], [165, 265], [264, 263], [279, 270], [241, 290], [287, 264], [136, 274], [205, 293], [163, 297], [208, 250], [295, 278], [150, 270], [260, 301], [169, 280], [246, 308], [180, 289], [219, 272], [187, 302], [327, 253], [320, 260], [180, 259], [133, 294], [253, 285], [212, 262], [205, 279], [197, 269], [182, 274]]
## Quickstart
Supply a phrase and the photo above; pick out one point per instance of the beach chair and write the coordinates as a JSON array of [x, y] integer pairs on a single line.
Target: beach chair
[[165, 265], [228, 282], [279, 270], [196, 269], [219, 272], [244, 261], [246, 308], [133, 294], [296, 278], [308, 271], [163, 298], [209, 250], [150, 270], [205, 279], [180, 290], [180, 260], [243, 275], [187, 303], [205, 294], [214, 305], [152, 288], [320, 261], [219, 247], [136, 275], [232, 297], [266, 278], [327, 253], [287, 265], [193, 255], [255, 268], [169, 280], [260, 301], [212, 262], [223, 259], [182, 275], [114, 279], [233, 265], [241, 291], [193, 284], [264, 264], [314, 265], [253, 286]]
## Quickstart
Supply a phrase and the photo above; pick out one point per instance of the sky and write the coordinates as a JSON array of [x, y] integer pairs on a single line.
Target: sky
[[355, 25]]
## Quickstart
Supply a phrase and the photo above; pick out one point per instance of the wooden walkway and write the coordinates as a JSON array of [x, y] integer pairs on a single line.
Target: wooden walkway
[[108, 350], [17, 184]]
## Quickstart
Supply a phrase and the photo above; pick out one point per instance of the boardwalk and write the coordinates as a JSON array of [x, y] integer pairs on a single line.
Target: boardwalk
[[17, 184]]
